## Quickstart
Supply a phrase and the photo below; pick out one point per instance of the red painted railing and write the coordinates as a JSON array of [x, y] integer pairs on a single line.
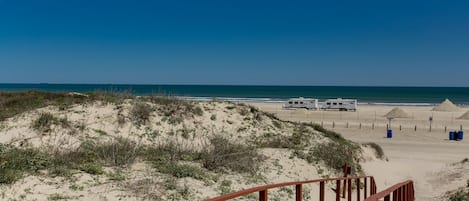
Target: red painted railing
[[345, 184], [400, 192]]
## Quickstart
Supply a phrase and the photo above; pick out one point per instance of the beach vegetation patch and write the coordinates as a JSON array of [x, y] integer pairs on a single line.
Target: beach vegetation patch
[[179, 170], [334, 155], [460, 195], [90, 157], [14, 103], [226, 155], [45, 120], [14, 162], [378, 149], [140, 113]]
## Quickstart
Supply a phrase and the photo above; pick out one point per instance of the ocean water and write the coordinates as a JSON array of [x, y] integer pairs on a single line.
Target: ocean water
[[365, 95]]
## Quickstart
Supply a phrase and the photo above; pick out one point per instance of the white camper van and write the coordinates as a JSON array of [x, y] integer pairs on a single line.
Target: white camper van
[[340, 104], [308, 103]]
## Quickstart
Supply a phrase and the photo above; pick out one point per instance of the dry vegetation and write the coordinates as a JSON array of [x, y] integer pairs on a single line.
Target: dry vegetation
[[178, 139]]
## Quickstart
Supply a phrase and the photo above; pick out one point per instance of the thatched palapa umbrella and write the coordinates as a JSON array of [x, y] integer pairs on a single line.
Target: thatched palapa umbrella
[[446, 106], [396, 113]]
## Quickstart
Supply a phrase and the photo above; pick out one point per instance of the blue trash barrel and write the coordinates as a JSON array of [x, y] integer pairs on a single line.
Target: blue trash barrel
[[389, 133], [451, 135], [460, 135]]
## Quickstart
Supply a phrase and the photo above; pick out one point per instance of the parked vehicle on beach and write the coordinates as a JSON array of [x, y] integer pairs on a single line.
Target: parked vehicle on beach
[[308, 103], [340, 104]]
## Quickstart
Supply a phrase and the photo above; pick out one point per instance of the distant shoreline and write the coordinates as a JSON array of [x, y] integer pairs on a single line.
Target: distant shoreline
[[397, 96]]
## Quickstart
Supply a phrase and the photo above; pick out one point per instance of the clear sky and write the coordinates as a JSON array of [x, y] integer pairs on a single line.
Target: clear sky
[[397, 43]]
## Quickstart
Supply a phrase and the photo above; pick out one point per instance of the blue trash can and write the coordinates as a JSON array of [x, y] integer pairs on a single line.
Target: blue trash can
[[451, 135], [389, 133], [460, 135]]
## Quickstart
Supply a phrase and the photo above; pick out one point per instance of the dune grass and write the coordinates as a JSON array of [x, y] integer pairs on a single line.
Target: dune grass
[[460, 195], [378, 149], [91, 157], [14, 103]]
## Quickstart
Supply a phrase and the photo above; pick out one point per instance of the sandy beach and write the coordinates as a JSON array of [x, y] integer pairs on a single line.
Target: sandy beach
[[425, 157]]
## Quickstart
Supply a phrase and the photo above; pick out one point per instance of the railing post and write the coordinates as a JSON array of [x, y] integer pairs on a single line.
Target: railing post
[[263, 195], [337, 190], [358, 189], [399, 196], [394, 196], [413, 192], [299, 192], [386, 198], [345, 181], [321, 191], [349, 190], [366, 186], [345, 188], [405, 192]]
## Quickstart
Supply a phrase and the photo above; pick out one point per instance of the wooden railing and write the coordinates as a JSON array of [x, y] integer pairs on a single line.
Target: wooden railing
[[400, 192], [343, 189]]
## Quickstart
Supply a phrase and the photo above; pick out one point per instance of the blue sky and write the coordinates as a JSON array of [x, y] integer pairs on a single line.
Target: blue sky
[[377, 43]]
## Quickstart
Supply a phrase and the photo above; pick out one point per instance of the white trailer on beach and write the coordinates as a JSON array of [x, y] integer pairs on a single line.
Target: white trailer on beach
[[308, 103], [340, 104]]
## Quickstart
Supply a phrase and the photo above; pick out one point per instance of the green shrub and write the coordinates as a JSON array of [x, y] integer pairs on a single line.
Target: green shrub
[[89, 157], [173, 120], [140, 113], [277, 124], [198, 111], [117, 175], [335, 155], [14, 162], [172, 106], [460, 195], [213, 117], [92, 168], [119, 152], [57, 196], [180, 170], [230, 107], [327, 133], [225, 187], [226, 155], [44, 122], [170, 152]]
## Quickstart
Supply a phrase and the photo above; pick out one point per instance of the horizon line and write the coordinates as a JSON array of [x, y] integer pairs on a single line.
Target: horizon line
[[246, 85]]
